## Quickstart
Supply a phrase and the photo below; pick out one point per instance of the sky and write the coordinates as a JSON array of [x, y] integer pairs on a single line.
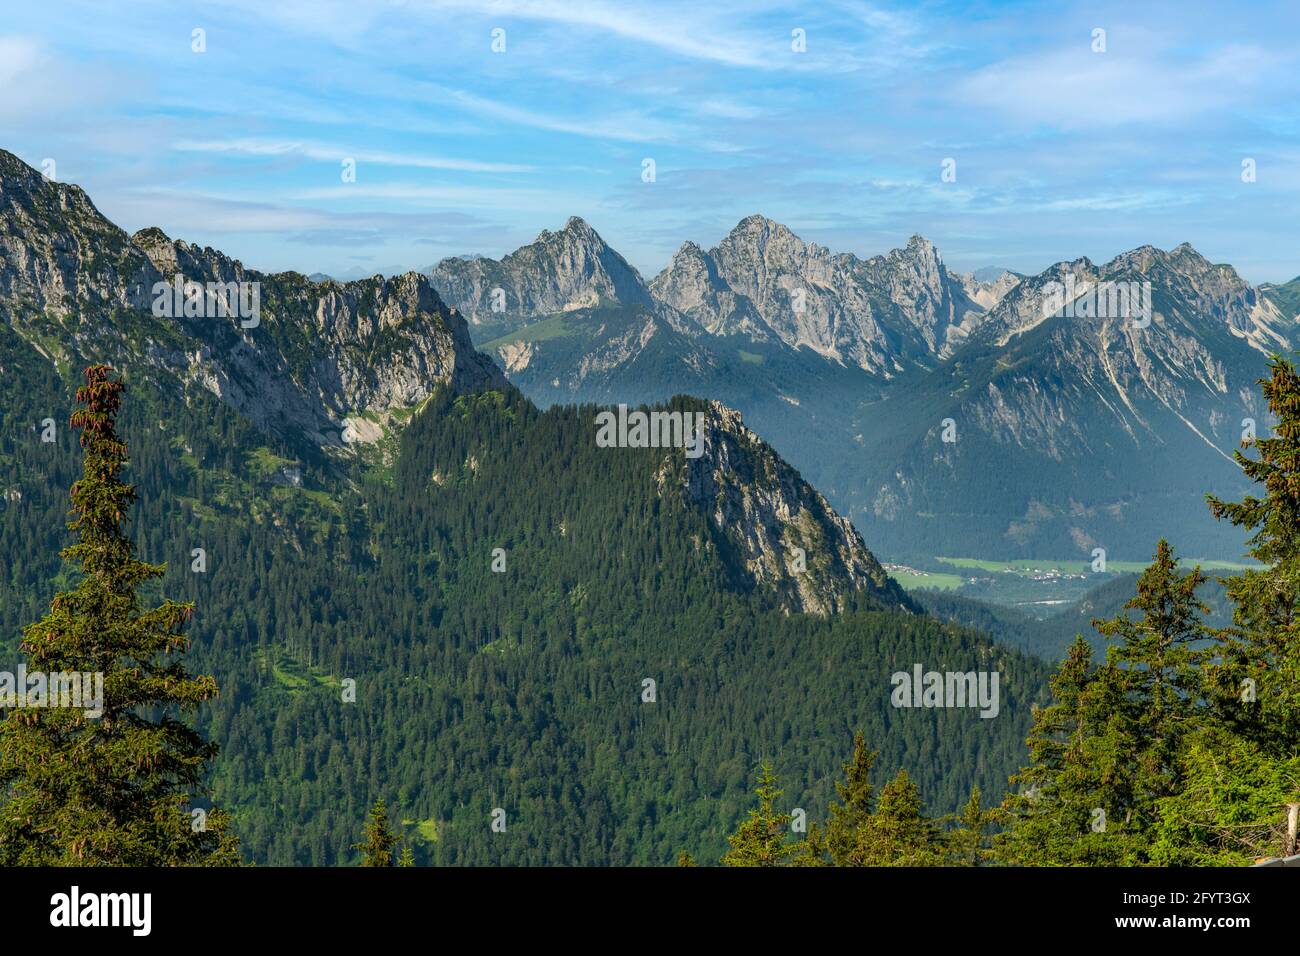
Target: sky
[[1010, 134]]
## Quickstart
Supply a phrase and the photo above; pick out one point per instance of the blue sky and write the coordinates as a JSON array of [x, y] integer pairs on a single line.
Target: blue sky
[[1060, 151]]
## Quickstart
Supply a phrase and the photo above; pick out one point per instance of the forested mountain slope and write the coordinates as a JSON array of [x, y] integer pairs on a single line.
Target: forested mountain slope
[[475, 690]]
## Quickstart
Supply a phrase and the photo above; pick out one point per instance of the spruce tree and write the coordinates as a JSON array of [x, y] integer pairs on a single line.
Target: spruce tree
[[894, 833], [760, 839], [377, 849], [1229, 809], [1157, 663], [850, 815], [897, 833], [1242, 765], [1256, 680], [112, 789], [840, 841], [967, 843]]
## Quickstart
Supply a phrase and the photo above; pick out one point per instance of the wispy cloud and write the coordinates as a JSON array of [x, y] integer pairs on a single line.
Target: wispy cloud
[[684, 30], [38, 82], [466, 197], [1071, 86], [336, 153], [631, 126]]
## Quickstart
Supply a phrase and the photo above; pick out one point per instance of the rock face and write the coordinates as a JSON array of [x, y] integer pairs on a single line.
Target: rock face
[[765, 282], [784, 533], [315, 354], [691, 285], [1285, 296], [57, 251], [559, 272], [761, 286]]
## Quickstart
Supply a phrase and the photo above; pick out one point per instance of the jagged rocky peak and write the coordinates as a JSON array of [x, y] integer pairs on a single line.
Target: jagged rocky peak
[[925, 300], [756, 240], [765, 280], [20, 183], [573, 268], [1182, 264], [769, 281], [689, 261], [1183, 256], [921, 250], [762, 227], [912, 273], [688, 280], [1033, 299], [576, 233], [157, 245], [690, 285], [1202, 291], [1179, 290], [199, 263], [577, 226], [583, 261], [781, 530]]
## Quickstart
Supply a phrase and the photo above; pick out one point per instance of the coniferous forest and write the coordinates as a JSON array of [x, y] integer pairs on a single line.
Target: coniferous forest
[[523, 689], [505, 636]]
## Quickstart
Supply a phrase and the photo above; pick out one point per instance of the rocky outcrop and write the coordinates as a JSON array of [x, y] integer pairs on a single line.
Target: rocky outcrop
[[57, 251], [782, 532], [370, 345]]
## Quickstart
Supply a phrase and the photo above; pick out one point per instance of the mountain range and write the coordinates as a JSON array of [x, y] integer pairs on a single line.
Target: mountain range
[[942, 412], [410, 580]]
